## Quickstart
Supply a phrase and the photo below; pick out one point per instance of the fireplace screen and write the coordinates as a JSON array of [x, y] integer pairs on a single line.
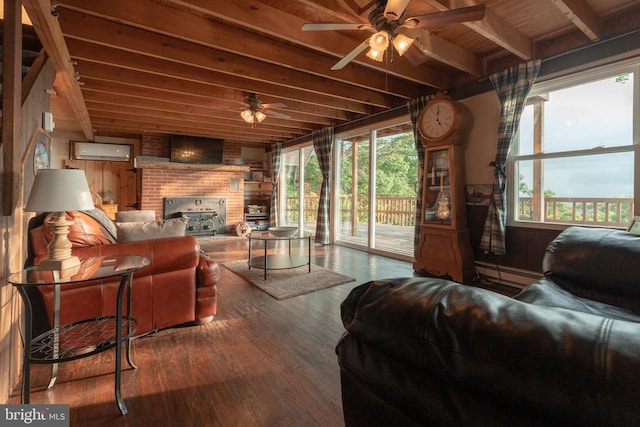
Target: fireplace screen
[[207, 215]]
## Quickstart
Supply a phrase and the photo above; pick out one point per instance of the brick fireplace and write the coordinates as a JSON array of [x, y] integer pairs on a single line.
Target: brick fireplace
[[173, 180]]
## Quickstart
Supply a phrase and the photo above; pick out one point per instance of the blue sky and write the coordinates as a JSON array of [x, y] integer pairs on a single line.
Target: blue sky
[[585, 117]]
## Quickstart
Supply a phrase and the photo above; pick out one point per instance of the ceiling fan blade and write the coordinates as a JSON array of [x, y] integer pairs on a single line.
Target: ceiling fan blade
[[415, 56], [394, 9], [349, 57], [277, 115], [463, 14], [274, 105], [336, 27]]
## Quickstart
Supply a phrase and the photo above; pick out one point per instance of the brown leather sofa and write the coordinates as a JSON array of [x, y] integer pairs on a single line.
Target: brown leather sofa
[[565, 351], [179, 285]]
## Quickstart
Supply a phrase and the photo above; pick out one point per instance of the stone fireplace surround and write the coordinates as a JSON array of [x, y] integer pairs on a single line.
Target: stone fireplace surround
[[171, 180]]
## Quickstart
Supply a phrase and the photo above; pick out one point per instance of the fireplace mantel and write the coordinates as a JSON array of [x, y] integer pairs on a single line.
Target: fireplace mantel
[[142, 164]]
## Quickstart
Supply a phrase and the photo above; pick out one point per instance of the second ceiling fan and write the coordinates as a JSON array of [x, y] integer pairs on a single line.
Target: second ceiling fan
[[389, 23], [256, 111]]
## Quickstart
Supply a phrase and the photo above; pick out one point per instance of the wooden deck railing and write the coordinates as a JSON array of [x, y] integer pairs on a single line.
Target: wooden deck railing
[[615, 212], [611, 211], [390, 210]]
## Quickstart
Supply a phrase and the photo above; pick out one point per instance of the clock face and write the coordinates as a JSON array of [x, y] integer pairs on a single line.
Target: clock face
[[437, 120]]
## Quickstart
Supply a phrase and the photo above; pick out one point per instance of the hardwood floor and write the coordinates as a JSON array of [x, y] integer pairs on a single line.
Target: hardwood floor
[[261, 362]]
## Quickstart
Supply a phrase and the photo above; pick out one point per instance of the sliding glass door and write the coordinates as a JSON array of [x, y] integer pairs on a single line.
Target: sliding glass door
[[373, 195], [396, 181], [353, 161], [375, 189]]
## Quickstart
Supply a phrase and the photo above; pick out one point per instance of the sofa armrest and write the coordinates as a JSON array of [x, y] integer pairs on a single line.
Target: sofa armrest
[[208, 272], [554, 360]]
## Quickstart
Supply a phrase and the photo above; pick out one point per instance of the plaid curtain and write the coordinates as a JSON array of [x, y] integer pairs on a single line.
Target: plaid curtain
[[276, 162], [512, 86], [415, 106], [323, 142]]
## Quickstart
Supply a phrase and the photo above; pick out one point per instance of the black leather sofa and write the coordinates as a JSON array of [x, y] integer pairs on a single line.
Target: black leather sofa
[[565, 351]]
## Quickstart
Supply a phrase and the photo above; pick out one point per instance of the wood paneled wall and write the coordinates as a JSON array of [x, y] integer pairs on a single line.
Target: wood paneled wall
[[13, 227], [110, 180]]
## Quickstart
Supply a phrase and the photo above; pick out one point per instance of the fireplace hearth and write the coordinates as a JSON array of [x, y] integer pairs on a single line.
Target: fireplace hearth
[[207, 215]]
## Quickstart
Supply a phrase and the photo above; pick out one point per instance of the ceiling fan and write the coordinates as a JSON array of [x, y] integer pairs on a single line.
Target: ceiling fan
[[256, 111], [389, 23]]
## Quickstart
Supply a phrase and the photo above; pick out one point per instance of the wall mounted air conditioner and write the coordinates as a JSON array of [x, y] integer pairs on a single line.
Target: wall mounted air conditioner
[[96, 151]]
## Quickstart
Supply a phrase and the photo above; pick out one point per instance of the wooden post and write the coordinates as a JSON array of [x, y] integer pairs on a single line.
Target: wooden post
[[354, 188], [11, 102]]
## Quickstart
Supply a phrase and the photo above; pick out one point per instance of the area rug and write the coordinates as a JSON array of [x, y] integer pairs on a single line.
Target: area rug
[[283, 284]]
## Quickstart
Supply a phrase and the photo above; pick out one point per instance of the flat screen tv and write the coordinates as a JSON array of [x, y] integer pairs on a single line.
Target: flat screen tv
[[196, 149]]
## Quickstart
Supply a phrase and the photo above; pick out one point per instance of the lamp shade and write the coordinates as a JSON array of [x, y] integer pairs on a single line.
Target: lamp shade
[[402, 43], [58, 190], [379, 41]]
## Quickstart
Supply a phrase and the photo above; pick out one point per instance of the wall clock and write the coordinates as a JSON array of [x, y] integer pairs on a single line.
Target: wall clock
[[40, 157], [441, 117]]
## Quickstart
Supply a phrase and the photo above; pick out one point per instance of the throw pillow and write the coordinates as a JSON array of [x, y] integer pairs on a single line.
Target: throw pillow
[[100, 216], [136, 216], [148, 230]]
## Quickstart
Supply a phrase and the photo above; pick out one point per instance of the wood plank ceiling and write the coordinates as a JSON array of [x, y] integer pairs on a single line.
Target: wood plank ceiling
[[186, 66]]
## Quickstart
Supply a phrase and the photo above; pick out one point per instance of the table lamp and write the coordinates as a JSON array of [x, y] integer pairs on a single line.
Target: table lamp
[[60, 190]]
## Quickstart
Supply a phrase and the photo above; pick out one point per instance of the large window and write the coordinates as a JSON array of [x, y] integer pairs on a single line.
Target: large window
[[575, 157]]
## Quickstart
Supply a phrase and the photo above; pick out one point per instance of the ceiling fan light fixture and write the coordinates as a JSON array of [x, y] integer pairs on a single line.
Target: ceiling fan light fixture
[[247, 116], [402, 43], [259, 116], [376, 55], [251, 116], [379, 41]]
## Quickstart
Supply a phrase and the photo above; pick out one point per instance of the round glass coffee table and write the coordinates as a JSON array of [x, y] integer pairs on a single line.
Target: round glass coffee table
[[280, 261]]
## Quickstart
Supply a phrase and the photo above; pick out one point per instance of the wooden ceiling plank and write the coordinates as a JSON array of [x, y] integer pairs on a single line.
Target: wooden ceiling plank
[[145, 79], [324, 114], [434, 47], [582, 15], [492, 27], [266, 19], [107, 33], [50, 34], [344, 10], [111, 125], [162, 19], [226, 118], [165, 107], [159, 69], [212, 130]]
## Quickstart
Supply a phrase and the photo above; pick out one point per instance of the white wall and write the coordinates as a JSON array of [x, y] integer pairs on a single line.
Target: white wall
[[481, 146]]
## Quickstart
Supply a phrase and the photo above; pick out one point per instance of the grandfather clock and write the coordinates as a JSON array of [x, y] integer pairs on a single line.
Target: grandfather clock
[[444, 247]]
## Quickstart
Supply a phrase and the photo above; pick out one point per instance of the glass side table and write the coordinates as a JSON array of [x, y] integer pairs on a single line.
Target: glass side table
[[82, 338]]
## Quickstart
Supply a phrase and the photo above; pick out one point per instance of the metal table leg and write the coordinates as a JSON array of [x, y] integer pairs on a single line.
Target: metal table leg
[[266, 244], [26, 362], [56, 336], [124, 280]]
